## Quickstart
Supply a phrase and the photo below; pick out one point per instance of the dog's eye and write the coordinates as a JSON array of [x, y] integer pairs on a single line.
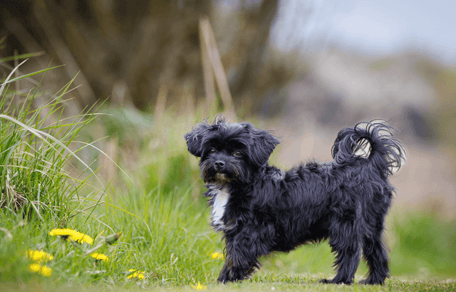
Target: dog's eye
[[212, 151], [237, 154]]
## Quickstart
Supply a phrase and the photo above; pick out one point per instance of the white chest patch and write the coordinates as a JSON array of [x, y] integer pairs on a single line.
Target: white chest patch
[[218, 209]]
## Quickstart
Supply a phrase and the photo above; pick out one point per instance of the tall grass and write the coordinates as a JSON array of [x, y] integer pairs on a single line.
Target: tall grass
[[37, 147]]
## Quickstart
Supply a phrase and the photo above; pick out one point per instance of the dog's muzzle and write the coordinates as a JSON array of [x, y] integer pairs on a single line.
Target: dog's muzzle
[[219, 165]]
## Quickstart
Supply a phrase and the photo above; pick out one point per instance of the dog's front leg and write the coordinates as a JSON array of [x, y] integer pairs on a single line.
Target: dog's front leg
[[241, 258], [231, 273], [237, 268]]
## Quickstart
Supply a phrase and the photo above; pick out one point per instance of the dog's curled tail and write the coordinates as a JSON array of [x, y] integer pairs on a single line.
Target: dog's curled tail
[[373, 141]]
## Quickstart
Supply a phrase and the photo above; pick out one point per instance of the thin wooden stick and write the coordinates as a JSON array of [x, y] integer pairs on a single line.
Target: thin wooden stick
[[208, 75], [217, 66]]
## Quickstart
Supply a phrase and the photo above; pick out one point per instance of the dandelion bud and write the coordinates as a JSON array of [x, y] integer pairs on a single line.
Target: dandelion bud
[[110, 239]]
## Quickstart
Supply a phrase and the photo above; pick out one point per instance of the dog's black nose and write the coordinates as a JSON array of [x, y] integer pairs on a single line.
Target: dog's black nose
[[219, 165]]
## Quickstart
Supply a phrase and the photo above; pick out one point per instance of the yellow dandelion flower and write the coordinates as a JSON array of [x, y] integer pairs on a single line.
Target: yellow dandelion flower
[[71, 235], [46, 271], [60, 232], [43, 270], [199, 287], [35, 267], [217, 255], [100, 256], [39, 255], [137, 274]]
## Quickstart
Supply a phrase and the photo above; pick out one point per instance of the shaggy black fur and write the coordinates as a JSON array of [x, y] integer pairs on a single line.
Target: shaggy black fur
[[261, 209]]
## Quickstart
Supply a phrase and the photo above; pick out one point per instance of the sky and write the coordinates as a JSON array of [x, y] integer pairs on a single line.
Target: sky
[[369, 27]]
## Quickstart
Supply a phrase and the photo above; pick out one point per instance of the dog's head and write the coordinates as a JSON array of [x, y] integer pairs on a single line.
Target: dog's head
[[230, 153]]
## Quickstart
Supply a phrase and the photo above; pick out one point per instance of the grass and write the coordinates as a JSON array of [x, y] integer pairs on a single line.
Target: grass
[[167, 237], [280, 283], [34, 150], [162, 217], [154, 240]]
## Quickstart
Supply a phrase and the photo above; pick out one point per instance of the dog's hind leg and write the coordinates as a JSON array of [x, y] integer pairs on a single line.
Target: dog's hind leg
[[374, 253], [343, 239]]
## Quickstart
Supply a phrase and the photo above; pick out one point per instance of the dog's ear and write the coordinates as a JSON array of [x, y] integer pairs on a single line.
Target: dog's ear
[[263, 143], [195, 138]]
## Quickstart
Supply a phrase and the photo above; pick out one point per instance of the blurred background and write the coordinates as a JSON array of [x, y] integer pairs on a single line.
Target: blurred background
[[304, 69]]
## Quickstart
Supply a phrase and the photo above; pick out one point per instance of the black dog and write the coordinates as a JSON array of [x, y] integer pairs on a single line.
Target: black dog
[[261, 209]]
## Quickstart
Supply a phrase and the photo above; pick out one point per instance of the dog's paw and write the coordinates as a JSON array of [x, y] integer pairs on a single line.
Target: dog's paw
[[230, 276], [225, 280], [370, 281], [333, 281], [224, 277]]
